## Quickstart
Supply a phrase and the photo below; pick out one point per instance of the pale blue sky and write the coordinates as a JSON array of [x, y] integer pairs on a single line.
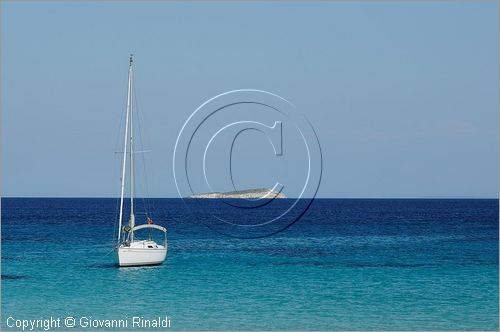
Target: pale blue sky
[[403, 96]]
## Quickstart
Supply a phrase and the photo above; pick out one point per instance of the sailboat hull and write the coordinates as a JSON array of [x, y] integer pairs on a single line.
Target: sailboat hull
[[137, 256]]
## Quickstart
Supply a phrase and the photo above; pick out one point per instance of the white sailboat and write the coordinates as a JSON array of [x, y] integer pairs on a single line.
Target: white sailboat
[[130, 250]]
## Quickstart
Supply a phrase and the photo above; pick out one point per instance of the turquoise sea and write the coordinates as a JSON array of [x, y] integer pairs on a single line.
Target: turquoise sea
[[348, 264]]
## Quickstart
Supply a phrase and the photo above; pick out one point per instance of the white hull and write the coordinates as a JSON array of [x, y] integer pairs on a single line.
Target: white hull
[[138, 254]]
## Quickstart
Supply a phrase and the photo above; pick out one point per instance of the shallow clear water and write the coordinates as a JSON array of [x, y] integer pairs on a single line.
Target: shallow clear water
[[346, 265]]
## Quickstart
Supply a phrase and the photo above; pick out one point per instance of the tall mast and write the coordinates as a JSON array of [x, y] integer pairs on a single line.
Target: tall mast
[[129, 99], [132, 217]]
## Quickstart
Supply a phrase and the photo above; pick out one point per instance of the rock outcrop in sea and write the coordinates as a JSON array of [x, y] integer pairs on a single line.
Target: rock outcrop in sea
[[249, 193]]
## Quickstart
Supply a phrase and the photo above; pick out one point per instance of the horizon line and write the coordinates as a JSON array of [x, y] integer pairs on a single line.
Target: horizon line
[[336, 197]]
